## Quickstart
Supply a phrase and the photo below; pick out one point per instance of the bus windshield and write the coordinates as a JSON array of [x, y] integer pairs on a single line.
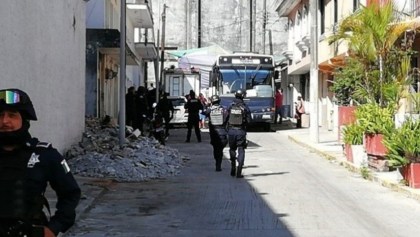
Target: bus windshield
[[245, 79]]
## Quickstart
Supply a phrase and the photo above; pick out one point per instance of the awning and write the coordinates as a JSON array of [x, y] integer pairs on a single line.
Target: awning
[[279, 59], [210, 50], [107, 41], [331, 64]]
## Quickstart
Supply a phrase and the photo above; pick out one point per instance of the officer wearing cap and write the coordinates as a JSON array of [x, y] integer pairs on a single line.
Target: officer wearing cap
[[26, 166], [217, 127], [238, 118]]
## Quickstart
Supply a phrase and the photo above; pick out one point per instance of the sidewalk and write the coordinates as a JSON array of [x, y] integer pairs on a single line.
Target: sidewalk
[[92, 189], [331, 149]]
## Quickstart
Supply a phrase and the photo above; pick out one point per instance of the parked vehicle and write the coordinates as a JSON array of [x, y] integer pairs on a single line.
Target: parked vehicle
[[180, 114], [179, 83], [253, 73]]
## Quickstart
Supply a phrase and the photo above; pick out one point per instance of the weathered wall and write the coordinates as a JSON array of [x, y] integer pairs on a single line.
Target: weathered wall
[[42, 51], [224, 22]]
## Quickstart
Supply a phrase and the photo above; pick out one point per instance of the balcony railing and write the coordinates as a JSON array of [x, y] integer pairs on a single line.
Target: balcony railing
[[145, 35]]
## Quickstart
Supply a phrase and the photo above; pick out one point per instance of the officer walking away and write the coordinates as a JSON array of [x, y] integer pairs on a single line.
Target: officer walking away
[[193, 106], [166, 109], [26, 166], [142, 108], [239, 116], [130, 107], [217, 127]]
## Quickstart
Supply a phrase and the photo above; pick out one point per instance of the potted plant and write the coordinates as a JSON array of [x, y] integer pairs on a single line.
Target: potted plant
[[376, 122], [346, 80], [353, 140], [403, 147]]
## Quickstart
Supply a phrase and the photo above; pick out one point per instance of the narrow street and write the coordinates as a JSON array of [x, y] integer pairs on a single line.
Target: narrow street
[[287, 191]]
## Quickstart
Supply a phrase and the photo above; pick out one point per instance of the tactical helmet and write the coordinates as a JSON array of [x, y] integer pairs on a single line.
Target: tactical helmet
[[16, 99], [215, 99], [240, 94]]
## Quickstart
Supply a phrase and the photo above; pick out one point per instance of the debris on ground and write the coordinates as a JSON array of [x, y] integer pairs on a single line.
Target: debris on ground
[[141, 158]]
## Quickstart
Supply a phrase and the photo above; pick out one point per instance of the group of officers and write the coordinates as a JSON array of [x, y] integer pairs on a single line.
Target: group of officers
[[27, 165], [228, 125]]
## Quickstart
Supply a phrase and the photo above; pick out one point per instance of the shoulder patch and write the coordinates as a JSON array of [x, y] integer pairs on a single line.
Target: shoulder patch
[[44, 145]]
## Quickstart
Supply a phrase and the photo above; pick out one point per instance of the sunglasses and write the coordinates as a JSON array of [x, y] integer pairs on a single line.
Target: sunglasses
[[10, 97]]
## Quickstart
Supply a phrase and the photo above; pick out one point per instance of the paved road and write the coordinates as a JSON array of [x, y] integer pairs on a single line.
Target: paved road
[[287, 191]]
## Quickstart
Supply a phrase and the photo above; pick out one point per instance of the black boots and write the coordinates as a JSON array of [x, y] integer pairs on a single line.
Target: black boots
[[239, 172], [218, 166], [236, 171], [233, 169]]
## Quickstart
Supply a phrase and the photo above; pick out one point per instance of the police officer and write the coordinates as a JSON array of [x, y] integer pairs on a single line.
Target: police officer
[[217, 126], [166, 109], [239, 116], [26, 166], [194, 106]]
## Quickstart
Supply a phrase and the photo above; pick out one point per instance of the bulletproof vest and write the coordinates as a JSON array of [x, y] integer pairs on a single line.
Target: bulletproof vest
[[236, 115], [216, 115], [18, 199], [13, 184]]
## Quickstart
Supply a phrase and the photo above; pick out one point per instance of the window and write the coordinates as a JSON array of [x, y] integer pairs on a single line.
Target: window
[[355, 5], [305, 22], [335, 12], [175, 86], [322, 14]]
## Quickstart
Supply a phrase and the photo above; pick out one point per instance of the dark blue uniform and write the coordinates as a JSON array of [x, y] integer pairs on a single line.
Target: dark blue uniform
[[194, 106], [24, 174], [218, 132], [237, 136]]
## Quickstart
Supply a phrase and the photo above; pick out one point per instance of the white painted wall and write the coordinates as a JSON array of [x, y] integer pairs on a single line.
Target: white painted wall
[[42, 51]]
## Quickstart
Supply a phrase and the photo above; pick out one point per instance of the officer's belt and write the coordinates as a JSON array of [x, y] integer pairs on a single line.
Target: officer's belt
[[235, 127]]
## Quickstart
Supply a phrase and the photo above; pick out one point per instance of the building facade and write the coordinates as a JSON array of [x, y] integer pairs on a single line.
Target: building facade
[[103, 52]]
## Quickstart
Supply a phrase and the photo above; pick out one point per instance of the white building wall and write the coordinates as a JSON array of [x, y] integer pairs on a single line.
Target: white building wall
[[42, 52]]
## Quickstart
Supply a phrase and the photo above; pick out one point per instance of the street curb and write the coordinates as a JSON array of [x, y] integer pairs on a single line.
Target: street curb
[[409, 192]]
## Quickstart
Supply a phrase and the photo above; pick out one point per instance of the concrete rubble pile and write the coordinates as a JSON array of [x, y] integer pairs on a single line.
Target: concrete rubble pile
[[141, 158]]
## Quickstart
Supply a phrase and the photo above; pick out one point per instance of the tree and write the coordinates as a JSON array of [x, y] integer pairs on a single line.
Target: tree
[[373, 34]]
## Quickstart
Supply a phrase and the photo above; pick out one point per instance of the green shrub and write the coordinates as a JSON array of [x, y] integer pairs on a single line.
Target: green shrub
[[404, 144], [353, 134], [375, 119]]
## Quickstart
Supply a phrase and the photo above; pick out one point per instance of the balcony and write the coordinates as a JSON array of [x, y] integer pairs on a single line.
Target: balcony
[[145, 43], [140, 13], [301, 45], [288, 54]]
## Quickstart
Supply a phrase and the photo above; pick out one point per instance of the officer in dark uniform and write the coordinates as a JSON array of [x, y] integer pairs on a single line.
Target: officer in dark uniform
[[239, 116], [26, 166], [167, 110], [217, 126], [193, 106]]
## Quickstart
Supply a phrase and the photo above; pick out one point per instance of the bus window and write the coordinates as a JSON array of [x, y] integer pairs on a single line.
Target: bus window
[[234, 79]]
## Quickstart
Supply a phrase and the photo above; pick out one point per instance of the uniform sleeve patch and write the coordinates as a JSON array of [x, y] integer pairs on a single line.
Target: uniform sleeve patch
[[65, 166]]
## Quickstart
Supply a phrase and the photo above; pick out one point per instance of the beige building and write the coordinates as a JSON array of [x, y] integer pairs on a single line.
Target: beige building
[[299, 55]]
